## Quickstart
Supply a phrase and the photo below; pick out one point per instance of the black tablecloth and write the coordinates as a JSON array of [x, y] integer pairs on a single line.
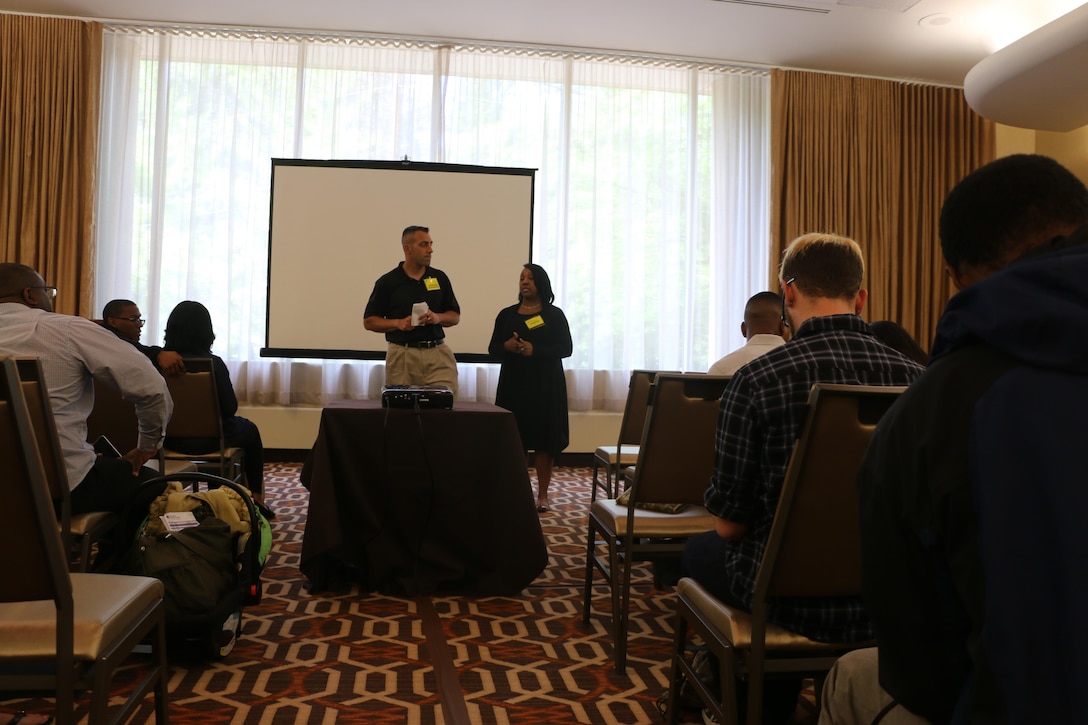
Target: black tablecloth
[[417, 503]]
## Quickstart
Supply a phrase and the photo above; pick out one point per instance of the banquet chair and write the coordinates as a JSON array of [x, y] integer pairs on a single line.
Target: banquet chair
[[675, 462], [65, 632], [115, 418], [813, 550], [196, 415], [81, 531], [613, 459]]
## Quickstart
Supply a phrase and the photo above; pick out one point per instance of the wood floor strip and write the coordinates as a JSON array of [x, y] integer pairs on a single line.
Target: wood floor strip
[[449, 685]]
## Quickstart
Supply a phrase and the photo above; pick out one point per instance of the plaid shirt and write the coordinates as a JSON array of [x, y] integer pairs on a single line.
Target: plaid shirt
[[762, 412]]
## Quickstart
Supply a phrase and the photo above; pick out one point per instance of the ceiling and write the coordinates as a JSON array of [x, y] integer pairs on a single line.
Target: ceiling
[[935, 41]]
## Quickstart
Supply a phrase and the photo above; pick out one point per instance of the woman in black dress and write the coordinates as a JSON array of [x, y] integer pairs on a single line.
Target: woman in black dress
[[531, 339], [189, 333]]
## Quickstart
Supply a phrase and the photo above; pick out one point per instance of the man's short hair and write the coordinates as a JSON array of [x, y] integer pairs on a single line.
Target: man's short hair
[[824, 265], [114, 308], [763, 311], [1002, 209], [409, 234]]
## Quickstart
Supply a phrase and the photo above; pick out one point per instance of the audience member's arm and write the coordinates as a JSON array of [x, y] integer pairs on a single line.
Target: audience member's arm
[[729, 529], [168, 361], [909, 592]]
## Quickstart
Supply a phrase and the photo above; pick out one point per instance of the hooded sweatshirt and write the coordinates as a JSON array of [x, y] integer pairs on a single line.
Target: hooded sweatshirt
[[974, 505]]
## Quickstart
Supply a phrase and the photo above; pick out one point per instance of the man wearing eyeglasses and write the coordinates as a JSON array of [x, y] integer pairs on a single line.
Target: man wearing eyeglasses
[[123, 318], [72, 350]]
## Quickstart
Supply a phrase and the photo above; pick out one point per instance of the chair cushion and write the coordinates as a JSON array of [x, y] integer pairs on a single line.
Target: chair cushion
[[105, 605], [736, 624], [175, 465], [608, 455], [228, 453], [612, 517], [93, 521]]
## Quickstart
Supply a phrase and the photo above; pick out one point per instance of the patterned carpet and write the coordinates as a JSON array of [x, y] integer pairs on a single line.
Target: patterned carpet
[[346, 657]]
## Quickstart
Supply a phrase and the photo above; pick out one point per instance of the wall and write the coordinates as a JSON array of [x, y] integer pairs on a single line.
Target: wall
[[1070, 148]]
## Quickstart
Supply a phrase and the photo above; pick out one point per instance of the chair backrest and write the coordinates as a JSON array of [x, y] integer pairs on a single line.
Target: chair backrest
[[36, 568], [196, 404], [36, 395], [676, 456], [634, 410], [814, 546], [113, 417]]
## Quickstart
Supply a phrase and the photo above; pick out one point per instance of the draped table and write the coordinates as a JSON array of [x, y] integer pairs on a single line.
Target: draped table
[[418, 502]]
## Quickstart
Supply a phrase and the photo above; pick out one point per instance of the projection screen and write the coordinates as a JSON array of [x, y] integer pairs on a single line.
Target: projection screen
[[335, 227]]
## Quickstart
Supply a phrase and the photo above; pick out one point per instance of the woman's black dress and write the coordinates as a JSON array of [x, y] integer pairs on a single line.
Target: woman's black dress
[[534, 388]]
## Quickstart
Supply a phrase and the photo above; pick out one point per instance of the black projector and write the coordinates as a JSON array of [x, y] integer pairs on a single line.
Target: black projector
[[417, 396]]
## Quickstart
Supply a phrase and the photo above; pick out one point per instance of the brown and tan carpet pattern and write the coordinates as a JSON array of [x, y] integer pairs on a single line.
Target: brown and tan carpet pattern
[[351, 657]]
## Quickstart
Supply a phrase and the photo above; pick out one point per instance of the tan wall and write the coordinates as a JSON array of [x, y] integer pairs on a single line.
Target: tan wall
[[1071, 148]]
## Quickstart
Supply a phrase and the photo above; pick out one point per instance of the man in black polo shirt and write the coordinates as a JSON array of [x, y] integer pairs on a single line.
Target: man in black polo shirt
[[417, 353]]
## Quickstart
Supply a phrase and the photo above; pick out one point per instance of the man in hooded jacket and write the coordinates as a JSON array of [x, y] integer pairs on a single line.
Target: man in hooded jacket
[[973, 493]]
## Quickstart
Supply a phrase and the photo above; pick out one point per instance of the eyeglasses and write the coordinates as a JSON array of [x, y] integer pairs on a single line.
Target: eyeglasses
[[49, 289], [787, 283], [133, 320]]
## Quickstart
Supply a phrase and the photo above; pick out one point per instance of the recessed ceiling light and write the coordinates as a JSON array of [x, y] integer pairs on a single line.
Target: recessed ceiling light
[[935, 20]]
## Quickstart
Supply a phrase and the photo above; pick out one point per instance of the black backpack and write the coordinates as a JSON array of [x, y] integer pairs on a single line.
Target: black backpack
[[196, 566]]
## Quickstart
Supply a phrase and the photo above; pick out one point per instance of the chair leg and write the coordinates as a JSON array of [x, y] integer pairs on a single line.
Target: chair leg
[[755, 685], [162, 689], [676, 679], [84, 553], [587, 598], [621, 594]]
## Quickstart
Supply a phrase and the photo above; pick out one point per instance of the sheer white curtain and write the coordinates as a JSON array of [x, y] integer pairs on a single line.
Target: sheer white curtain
[[652, 189]]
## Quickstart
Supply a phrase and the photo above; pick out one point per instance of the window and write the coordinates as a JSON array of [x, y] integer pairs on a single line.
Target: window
[[652, 189]]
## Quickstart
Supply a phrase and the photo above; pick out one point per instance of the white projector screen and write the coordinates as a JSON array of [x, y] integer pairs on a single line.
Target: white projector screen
[[335, 227]]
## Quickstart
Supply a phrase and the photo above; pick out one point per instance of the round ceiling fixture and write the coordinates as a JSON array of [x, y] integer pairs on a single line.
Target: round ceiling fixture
[[935, 20]]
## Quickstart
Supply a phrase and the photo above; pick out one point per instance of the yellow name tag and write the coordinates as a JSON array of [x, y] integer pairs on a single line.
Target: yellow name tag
[[534, 322], [432, 283]]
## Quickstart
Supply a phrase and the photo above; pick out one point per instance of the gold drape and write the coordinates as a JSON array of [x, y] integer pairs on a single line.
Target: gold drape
[[873, 160], [49, 95]]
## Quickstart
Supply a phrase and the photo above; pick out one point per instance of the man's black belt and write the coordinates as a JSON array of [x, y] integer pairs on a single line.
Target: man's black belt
[[425, 344]]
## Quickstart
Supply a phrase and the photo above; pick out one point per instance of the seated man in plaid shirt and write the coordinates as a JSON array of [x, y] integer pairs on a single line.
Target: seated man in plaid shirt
[[762, 412]]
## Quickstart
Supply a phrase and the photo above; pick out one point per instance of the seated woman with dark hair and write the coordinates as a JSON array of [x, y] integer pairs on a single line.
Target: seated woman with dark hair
[[189, 333], [896, 337]]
